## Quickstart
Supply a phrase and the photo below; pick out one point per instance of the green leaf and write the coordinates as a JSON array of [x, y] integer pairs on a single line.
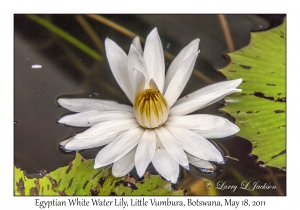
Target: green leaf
[[151, 185], [80, 178], [63, 34], [260, 109]]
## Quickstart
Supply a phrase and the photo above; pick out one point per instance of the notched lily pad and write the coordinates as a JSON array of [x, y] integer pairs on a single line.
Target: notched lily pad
[[260, 109], [77, 178], [80, 178]]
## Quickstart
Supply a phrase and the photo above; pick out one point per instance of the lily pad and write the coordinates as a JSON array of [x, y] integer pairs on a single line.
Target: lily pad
[[260, 109], [80, 178]]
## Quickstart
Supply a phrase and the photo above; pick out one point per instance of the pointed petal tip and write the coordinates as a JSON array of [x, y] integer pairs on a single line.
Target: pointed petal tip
[[62, 120], [115, 174], [137, 38], [60, 101], [140, 170], [194, 44], [238, 81], [140, 175], [153, 32], [107, 39], [173, 180], [196, 41], [97, 165], [187, 167], [108, 43], [118, 173], [220, 159], [221, 162], [63, 143], [235, 128]]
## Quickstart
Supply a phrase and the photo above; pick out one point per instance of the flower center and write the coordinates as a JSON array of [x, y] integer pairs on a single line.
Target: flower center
[[150, 108]]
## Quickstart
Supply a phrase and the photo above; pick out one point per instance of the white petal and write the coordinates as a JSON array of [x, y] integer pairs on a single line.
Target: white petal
[[196, 144], [198, 162], [180, 79], [186, 52], [172, 146], [90, 118], [188, 106], [153, 85], [137, 43], [165, 164], [227, 129], [208, 126], [145, 151], [230, 84], [154, 59], [137, 65], [124, 165], [75, 144], [104, 127], [64, 142], [136, 61], [100, 134], [88, 104], [139, 82], [117, 60], [118, 147]]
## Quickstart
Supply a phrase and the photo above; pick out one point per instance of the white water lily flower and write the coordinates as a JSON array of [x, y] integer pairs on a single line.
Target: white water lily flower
[[157, 128]]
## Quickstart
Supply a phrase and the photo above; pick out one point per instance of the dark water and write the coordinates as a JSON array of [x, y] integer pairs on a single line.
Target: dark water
[[67, 71]]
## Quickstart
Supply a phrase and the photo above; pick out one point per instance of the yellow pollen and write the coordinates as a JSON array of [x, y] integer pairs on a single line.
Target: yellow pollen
[[150, 108]]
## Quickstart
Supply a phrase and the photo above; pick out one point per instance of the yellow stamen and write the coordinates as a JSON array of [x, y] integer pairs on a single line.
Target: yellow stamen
[[150, 108]]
